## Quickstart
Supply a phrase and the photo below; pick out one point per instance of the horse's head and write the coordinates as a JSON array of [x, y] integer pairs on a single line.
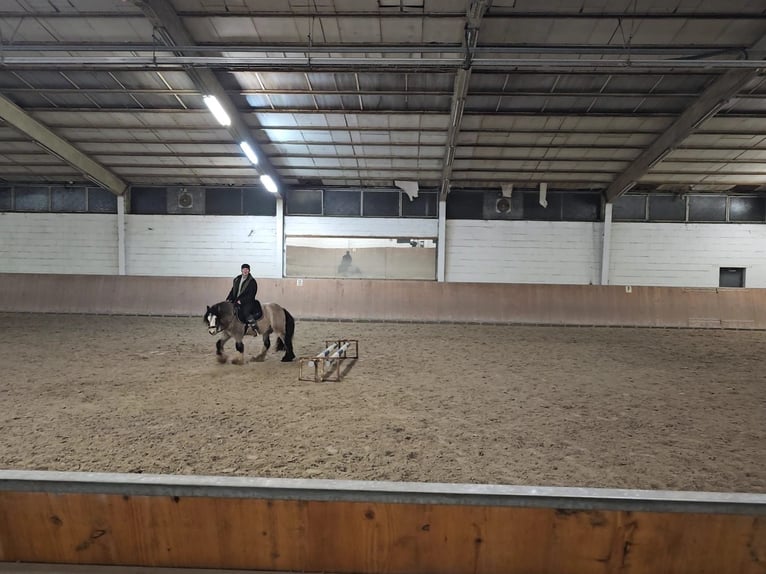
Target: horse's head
[[212, 320]]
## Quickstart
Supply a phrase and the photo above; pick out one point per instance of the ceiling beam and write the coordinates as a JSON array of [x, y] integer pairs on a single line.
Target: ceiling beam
[[173, 32], [712, 99], [474, 13], [60, 147], [706, 106]]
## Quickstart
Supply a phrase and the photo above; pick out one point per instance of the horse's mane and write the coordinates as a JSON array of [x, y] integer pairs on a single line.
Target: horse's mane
[[224, 310]]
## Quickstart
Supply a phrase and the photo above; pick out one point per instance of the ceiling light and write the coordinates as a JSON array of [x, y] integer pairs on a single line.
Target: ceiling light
[[215, 106], [249, 152], [268, 183]]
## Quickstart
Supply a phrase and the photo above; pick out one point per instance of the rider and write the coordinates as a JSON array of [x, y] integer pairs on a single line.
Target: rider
[[242, 294]]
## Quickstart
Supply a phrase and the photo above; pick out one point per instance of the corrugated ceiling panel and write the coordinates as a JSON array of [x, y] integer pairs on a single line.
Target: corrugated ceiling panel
[[359, 30], [402, 30], [108, 30], [444, 30]]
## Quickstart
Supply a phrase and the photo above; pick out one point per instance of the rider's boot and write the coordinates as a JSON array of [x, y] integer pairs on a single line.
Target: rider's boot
[[252, 323]]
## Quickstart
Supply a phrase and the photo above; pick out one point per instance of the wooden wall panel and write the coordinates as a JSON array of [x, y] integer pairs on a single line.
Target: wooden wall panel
[[371, 537], [396, 300]]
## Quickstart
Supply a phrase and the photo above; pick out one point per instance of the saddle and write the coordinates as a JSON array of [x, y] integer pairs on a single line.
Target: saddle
[[249, 321], [257, 310]]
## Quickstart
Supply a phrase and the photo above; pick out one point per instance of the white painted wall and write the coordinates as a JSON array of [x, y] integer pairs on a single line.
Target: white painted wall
[[523, 252], [58, 243], [360, 227], [201, 245], [666, 254], [686, 255]]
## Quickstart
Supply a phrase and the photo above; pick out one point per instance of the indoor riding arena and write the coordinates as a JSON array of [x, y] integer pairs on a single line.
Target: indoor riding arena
[[519, 250]]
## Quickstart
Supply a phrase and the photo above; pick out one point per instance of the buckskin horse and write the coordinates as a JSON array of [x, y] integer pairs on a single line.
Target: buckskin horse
[[222, 318]]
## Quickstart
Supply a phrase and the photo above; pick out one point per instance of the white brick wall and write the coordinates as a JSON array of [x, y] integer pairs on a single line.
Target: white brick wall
[[686, 255], [483, 251], [361, 226], [202, 246], [523, 252], [58, 243]]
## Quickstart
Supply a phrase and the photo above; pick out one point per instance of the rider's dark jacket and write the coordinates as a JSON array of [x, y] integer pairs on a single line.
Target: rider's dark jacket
[[246, 298]]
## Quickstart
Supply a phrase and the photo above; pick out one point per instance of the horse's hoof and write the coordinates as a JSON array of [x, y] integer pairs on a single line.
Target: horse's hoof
[[259, 358], [222, 358], [288, 358], [237, 361]]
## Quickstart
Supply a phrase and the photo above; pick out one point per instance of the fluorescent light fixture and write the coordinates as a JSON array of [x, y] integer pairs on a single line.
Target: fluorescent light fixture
[[249, 152], [268, 183], [215, 106]]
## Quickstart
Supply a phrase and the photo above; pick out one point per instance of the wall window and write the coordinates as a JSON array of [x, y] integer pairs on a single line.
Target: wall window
[[6, 199], [148, 200], [426, 204], [303, 202], [380, 204], [101, 201], [629, 208], [341, 202], [258, 201], [581, 206], [707, 208], [70, 200], [33, 198], [731, 277], [361, 203], [465, 205], [747, 209], [667, 208], [223, 201]]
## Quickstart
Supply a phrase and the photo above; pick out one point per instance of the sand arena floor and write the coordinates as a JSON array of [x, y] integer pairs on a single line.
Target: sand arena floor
[[602, 407]]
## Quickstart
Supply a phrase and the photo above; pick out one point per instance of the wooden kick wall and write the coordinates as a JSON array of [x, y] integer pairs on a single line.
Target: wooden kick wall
[[396, 300], [374, 528]]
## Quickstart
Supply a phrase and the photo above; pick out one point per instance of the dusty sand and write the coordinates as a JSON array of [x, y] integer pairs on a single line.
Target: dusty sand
[[627, 408]]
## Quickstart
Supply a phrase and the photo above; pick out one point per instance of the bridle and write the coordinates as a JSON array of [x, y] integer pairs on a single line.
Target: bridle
[[218, 327]]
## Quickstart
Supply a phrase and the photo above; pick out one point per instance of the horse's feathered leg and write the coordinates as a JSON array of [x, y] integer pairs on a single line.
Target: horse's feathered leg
[[220, 355], [240, 358], [266, 344], [288, 337]]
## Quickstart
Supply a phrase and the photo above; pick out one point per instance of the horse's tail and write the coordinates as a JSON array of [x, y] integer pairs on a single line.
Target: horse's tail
[[289, 332]]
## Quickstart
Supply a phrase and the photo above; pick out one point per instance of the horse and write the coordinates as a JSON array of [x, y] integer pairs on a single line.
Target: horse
[[222, 318]]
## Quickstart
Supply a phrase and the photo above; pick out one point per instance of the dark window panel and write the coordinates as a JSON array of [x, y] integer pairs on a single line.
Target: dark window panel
[[35, 198], [6, 199], [223, 201], [581, 206], [341, 202], [257, 201], [533, 209], [707, 208], [747, 209], [101, 201], [426, 204], [380, 204], [148, 200], [629, 208], [304, 202], [69, 200], [667, 208], [731, 277], [465, 205]]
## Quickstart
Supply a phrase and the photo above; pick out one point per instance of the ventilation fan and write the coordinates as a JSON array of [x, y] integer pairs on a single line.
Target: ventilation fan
[[503, 205], [185, 199]]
